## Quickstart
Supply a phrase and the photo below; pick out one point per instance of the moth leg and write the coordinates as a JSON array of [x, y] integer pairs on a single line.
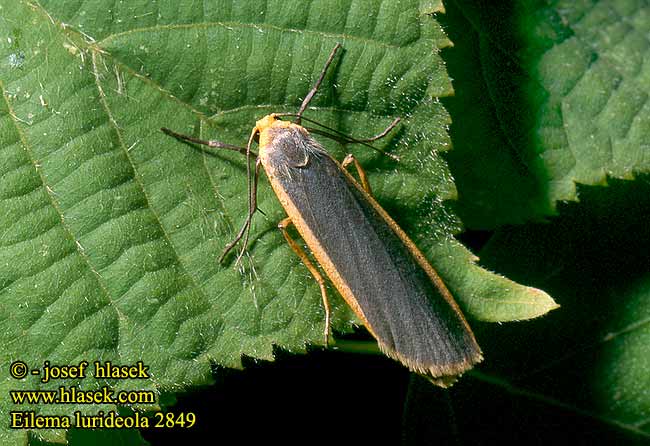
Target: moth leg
[[350, 159], [312, 269], [252, 202]]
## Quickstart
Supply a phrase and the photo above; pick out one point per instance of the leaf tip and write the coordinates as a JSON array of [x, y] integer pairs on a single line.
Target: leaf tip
[[544, 303]]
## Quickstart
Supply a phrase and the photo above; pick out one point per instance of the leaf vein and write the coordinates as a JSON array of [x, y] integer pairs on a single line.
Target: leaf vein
[[229, 25], [138, 180]]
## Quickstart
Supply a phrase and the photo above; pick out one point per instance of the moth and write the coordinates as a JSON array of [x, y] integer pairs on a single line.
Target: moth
[[374, 265]]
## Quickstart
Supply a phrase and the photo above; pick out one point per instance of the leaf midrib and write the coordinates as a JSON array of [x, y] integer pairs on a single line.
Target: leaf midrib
[[256, 26]]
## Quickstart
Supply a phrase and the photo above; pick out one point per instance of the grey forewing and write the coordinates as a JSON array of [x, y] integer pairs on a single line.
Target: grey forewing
[[404, 309]]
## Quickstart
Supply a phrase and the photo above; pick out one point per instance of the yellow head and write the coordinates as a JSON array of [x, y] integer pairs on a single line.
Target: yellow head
[[270, 122]]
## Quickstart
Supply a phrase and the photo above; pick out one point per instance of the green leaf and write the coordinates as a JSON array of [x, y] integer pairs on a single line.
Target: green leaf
[[585, 369], [581, 374], [495, 183], [557, 95], [111, 231]]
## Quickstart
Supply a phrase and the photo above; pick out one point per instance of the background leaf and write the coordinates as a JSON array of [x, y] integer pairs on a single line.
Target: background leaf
[[111, 230], [556, 95], [582, 373], [551, 95]]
